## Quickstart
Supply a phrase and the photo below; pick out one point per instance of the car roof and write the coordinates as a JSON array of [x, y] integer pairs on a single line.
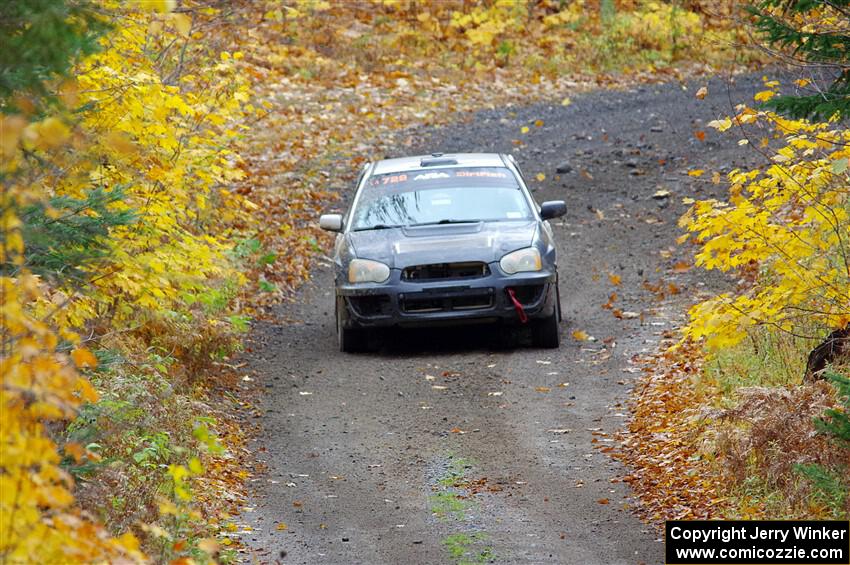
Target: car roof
[[424, 162]]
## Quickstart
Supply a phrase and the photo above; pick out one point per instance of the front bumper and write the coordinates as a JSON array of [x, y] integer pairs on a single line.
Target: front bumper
[[399, 302]]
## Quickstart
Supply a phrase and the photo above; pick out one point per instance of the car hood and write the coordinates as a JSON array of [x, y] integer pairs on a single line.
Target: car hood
[[480, 241]]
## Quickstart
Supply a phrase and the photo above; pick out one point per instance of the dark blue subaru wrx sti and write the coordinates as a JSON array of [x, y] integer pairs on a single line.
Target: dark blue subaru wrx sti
[[444, 239]]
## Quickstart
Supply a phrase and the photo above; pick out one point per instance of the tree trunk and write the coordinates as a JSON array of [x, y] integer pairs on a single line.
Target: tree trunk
[[834, 349]]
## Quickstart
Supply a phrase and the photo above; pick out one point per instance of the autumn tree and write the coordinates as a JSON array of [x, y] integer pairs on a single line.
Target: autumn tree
[[786, 223], [38, 522]]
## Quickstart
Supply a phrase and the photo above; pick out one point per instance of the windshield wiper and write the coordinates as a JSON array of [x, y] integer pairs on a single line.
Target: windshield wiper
[[376, 227], [444, 222]]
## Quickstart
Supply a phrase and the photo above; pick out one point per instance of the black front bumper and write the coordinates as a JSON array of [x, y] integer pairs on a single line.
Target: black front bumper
[[399, 302]]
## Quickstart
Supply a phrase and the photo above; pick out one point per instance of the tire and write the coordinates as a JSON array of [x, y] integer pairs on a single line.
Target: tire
[[351, 340], [545, 332]]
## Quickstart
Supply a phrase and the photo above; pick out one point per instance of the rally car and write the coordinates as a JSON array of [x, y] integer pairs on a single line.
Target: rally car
[[444, 239]]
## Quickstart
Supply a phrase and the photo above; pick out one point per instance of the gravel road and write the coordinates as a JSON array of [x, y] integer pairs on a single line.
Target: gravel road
[[444, 447]]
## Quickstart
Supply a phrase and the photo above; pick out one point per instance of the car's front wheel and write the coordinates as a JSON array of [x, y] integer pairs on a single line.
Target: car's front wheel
[[545, 332], [351, 340]]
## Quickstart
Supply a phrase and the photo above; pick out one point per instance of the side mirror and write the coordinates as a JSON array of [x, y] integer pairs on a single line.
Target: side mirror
[[331, 222], [553, 209]]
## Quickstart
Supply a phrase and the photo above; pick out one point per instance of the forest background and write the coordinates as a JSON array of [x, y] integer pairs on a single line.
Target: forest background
[[162, 164]]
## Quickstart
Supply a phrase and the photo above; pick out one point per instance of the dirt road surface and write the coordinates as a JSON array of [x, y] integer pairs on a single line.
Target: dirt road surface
[[444, 447]]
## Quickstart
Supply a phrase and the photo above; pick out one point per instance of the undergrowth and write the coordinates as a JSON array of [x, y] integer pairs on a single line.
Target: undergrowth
[[777, 459]]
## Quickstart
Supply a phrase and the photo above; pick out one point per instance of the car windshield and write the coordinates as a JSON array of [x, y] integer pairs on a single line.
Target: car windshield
[[440, 196]]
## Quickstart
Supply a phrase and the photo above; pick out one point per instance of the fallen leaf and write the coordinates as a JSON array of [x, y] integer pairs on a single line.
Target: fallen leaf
[[542, 389], [695, 173], [541, 177], [616, 280], [580, 335], [702, 92], [602, 501]]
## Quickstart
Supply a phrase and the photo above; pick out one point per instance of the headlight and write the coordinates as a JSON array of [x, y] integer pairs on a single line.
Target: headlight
[[364, 270], [522, 260]]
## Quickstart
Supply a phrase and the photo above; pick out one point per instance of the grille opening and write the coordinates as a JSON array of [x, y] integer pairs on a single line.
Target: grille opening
[[442, 271], [528, 294], [471, 302], [424, 303], [374, 305]]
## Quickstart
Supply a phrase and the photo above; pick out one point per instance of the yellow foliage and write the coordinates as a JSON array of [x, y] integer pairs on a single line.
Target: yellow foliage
[[161, 135], [659, 26], [787, 227], [38, 523], [160, 140]]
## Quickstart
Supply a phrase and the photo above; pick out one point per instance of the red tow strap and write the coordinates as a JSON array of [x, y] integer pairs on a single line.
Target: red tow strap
[[520, 311]]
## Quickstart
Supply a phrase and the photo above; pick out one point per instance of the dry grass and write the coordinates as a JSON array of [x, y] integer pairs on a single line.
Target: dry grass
[[768, 434]]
